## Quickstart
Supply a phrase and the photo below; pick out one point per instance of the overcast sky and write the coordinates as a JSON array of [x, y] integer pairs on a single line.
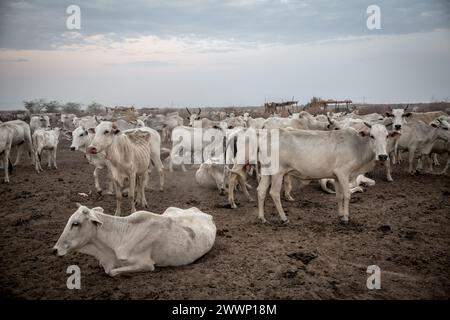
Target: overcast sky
[[221, 53]]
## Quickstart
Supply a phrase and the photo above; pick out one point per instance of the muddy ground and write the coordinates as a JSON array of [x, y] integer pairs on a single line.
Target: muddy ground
[[403, 227]]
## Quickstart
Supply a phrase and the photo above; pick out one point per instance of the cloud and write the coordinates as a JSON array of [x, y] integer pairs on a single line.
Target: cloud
[[13, 60], [41, 24]]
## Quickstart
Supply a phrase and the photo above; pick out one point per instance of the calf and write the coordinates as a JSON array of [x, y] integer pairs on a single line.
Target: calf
[[45, 140], [140, 241]]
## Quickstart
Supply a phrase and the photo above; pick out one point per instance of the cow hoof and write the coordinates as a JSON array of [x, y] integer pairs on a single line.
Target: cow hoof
[[285, 222], [389, 180], [343, 220], [263, 220]]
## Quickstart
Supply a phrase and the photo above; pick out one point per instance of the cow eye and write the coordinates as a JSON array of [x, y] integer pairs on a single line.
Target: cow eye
[[82, 134], [106, 132], [75, 224], [372, 136]]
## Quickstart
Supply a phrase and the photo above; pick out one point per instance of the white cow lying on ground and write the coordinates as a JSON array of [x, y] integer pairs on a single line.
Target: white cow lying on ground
[[355, 185], [211, 174], [140, 241], [45, 140]]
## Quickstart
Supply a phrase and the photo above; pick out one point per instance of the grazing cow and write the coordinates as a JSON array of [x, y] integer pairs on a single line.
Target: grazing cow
[[128, 155], [211, 174], [81, 139], [419, 136], [45, 140], [312, 155], [140, 241], [6, 141], [41, 121]]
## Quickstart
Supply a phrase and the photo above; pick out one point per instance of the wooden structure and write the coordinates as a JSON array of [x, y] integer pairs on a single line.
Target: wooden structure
[[279, 107], [317, 105]]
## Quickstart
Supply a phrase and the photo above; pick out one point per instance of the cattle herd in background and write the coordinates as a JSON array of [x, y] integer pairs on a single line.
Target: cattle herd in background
[[335, 149]]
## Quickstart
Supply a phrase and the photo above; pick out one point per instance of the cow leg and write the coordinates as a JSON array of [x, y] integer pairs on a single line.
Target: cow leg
[[96, 182], [6, 164], [436, 160], [287, 182], [140, 266], [160, 168], [411, 153], [49, 157], [231, 185], [131, 192], [19, 154], [387, 164], [110, 183], [275, 190], [343, 196], [244, 188], [118, 189], [262, 191], [54, 158], [447, 165], [143, 182]]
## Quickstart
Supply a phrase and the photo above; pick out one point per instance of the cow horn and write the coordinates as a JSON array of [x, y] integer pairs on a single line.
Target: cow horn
[[96, 120], [407, 106], [188, 111], [329, 120], [368, 124], [289, 111], [199, 111]]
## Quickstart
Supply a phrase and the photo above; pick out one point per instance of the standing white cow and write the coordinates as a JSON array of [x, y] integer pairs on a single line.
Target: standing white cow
[[45, 140], [128, 155], [312, 155], [21, 139], [140, 241], [41, 121], [81, 139], [6, 140]]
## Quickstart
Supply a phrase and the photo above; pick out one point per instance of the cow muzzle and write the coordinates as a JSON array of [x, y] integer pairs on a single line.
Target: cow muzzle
[[57, 252], [72, 148], [92, 150], [398, 127], [382, 157]]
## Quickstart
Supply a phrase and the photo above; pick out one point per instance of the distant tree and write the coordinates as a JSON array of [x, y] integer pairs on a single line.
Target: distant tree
[[52, 106], [72, 107], [95, 108], [34, 106]]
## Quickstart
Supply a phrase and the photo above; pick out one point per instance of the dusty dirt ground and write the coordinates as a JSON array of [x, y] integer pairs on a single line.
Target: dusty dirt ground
[[403, 227]]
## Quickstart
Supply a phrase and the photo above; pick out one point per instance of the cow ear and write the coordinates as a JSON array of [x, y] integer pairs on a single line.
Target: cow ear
[[408, 114], [92, 216], [388, 114], [362, 133], [115, 130], [91, 130], [434, 125]]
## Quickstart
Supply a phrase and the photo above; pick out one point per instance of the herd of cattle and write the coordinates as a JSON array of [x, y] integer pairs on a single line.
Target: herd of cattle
[[336, 150]]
